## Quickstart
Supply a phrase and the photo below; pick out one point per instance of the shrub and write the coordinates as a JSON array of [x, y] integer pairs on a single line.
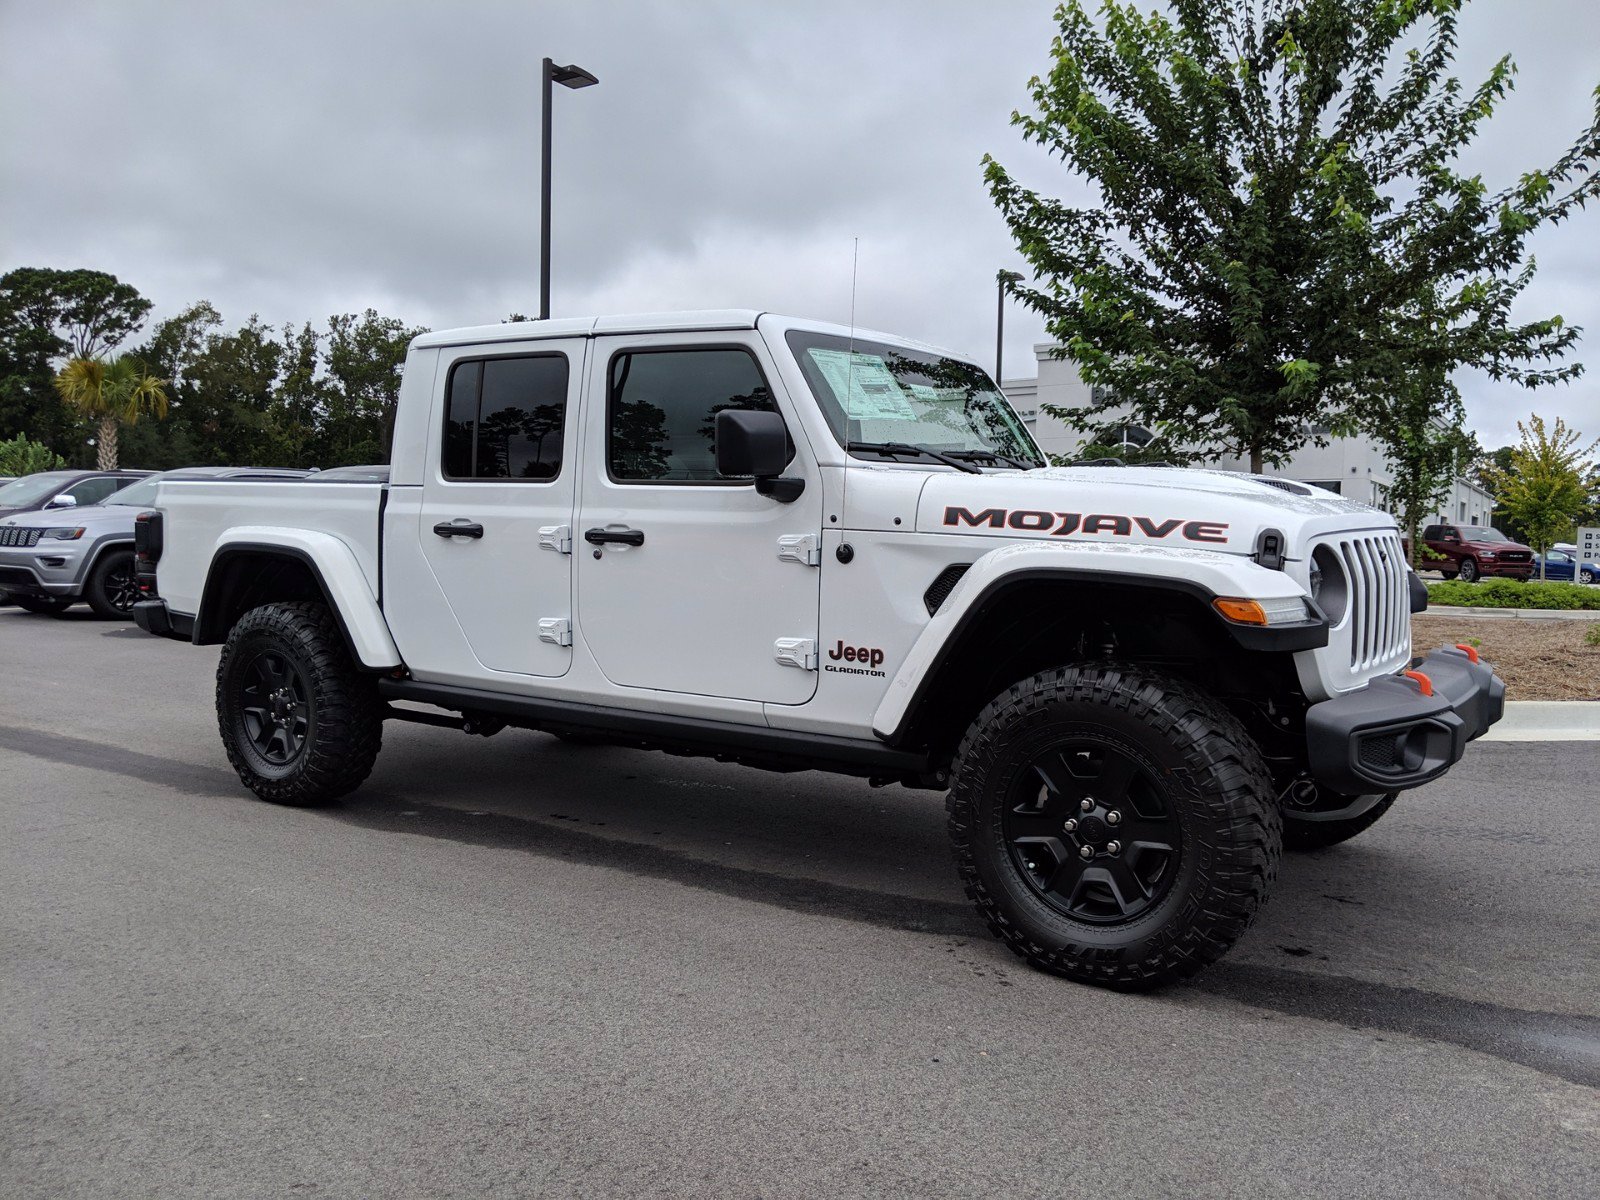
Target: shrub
[[19, 456], [1509, 593], [1591, 636]]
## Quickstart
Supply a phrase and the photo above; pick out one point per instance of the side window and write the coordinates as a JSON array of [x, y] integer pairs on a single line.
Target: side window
[[662, 406], [504, 418], [92, 491], [1432, 533]]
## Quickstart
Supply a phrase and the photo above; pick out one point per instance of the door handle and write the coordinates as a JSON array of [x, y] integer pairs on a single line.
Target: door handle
[[458, 528], [620, 537]]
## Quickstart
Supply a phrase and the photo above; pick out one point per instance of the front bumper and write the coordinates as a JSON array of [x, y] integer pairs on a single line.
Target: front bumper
[[1390, 735], [48, 569]]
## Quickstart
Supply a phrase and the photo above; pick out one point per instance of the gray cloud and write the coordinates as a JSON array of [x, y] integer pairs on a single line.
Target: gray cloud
[[298, 159]]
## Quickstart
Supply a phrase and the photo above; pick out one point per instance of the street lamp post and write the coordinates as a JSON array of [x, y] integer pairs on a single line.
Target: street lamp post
[[1005, 280], [567, 76]]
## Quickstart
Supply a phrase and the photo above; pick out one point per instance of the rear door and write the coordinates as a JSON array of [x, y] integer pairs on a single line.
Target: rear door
[[687, 581], [497, 501]]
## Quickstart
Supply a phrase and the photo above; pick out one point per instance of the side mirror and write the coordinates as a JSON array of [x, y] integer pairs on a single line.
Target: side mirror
[[751, 443], [755, 443], [64, 500]]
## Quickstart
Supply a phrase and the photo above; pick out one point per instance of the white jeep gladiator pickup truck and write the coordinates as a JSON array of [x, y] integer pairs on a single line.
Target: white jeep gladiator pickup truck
[[802, 547]]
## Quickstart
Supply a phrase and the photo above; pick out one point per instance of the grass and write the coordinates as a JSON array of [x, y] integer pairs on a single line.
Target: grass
[[1509, 593]]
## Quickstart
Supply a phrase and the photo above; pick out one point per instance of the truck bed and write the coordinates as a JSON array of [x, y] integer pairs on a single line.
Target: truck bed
[[197, 513]]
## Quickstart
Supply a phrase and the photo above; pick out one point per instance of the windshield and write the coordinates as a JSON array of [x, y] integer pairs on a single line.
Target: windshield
[[874, 392], [30, 489], [139, 495], [1481, 533]]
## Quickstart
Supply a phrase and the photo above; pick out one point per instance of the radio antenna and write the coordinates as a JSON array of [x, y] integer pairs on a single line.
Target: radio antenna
[[849, 381]]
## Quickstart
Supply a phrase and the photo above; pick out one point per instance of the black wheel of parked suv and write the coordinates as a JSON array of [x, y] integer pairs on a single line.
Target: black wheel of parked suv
[[1113, 825], [1469, 570], [113, 589], [1299, 833], [48, 605], [300, 723]]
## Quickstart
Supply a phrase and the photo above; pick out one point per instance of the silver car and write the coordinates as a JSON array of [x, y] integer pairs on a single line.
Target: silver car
[[50, 560]]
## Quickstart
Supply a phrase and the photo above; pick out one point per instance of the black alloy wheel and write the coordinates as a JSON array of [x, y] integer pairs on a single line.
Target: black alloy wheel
[[275, 707], [113, 587], [1092, 831], [1113, 824], [300, 721], [1469, 570]]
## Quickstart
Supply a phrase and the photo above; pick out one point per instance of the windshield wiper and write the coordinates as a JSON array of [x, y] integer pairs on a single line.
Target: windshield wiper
[[993, 456], [893, 449]]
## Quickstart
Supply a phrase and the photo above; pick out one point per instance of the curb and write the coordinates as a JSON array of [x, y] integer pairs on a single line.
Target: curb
[[1510, 614], [1547, 721]]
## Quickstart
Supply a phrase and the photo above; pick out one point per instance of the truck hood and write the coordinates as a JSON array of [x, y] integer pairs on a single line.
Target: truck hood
[[1210, 510]]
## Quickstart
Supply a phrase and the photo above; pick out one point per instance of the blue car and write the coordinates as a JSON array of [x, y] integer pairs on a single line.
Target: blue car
[[1559, 565]]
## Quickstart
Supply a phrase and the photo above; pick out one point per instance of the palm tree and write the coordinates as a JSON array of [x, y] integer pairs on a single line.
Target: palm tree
[[115, 391]]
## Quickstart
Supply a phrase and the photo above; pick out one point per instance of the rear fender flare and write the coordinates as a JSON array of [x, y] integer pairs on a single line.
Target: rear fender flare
[[338, 573]]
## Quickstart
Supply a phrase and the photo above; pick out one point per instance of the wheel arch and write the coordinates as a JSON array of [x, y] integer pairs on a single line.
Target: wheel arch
[[1008, 619], [262, 567]]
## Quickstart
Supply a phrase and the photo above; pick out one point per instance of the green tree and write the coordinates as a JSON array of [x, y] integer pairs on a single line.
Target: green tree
[[365, 356], [1282, 227], [19, 456], [1546, 486], [1419, 425], [111, 392]]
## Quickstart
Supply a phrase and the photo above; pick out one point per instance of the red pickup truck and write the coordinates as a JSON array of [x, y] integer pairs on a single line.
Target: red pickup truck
[[1474, 550]]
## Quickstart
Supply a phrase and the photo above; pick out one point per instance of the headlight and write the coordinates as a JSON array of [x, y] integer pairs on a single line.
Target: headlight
[[1487, 554], [1286, 611], [1328, 585], [63, 533]]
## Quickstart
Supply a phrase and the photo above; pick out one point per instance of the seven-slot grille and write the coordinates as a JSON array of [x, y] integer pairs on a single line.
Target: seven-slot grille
[[1379, 598], [19, 535]]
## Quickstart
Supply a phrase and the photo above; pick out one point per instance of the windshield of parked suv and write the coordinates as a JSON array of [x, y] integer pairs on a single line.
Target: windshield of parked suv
[[1480, 533], [30, 489], [872, 392], [139, 495]]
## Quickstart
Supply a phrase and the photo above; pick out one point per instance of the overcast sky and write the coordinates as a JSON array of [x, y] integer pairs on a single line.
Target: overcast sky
[[299, 159]]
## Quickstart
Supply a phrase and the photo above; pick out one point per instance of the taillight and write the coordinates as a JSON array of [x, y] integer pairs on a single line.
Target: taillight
[[147, 529], [147, 544]]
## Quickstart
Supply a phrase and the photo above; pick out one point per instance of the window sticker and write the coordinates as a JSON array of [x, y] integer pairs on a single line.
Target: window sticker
[[863, 384]]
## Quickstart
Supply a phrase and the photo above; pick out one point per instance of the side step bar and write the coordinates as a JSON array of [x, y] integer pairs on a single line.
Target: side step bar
[[775, 749]]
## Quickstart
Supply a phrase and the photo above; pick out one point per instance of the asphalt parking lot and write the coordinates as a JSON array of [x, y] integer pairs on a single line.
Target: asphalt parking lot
[[519, 967]]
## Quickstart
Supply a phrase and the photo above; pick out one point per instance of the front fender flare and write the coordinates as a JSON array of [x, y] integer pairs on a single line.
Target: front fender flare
[[334, 566], [1205, 574]]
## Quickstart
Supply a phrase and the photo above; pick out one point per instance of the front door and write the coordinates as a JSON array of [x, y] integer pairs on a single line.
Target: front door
[[689, 582], [497, 503]]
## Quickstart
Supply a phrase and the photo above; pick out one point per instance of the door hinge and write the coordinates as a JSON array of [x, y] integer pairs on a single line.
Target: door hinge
[[555, 630], [556, 537], [803, 548], [796, 652]]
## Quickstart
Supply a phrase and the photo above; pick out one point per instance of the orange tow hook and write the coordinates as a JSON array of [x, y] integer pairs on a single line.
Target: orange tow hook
[[1470, 651], [1423, 681]]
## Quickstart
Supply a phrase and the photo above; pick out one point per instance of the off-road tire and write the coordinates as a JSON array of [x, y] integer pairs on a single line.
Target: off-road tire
[[112, 588], [344, 712], [1469, 570], [51, 606], [1299, 835], [1192, 755]]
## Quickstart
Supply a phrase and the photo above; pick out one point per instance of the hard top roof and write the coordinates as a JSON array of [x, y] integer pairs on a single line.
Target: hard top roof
[[704, 321]]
